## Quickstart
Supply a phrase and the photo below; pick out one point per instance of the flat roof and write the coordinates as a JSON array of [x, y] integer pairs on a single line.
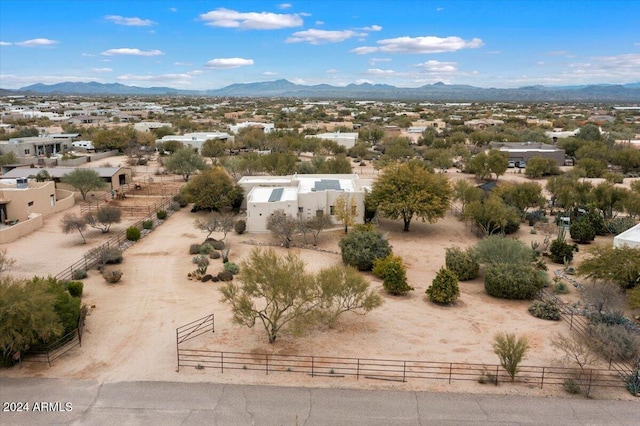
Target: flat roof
[[315, 184], [272, 195], [57, 172]]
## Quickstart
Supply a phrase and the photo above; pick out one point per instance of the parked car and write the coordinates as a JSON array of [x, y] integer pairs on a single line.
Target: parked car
[[522, 164], [512, 164]]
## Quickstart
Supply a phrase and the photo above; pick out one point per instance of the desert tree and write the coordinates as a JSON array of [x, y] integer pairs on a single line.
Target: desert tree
[[492, 215], [409, 190], [28, 315], [213, 189], [465, 192], [185, 162], [283, 226], [6, 262], [215, 222], [620, 265], [346, 210], [511, 350], [316, 225], [103, 218], [275, 290], [214, 149], [84, 180], [73, 223], [344, 289], [604, 296], [577, 352]]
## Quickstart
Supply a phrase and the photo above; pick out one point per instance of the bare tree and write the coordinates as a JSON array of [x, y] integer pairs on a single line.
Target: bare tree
[[73, 223], [215, 222], [316, 225], [104, 218], [6, 262], [283, 226], [578, 352], [604, 296]]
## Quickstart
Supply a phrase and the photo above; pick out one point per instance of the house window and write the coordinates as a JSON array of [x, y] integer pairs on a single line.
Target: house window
[[27, 151], [52, 200], [300, 210], [319, 213], [332, 210]]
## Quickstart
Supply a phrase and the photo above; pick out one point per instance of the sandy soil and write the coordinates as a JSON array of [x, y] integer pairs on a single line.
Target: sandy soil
[[130, 331]]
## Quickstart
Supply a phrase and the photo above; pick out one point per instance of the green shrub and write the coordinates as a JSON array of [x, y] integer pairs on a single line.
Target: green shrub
[[79, 274], [174, 206], [194, 249], [393, 274], [240, 227], [614, 177], [546, 310], [106, 255], [560, 288], [231, 267], [444, 287], [497, 249], [513, 281], [214, 255], [75, 288], [582, 231], [571, 386], [362, 246], [112, 276], [561, 252], [206, 249], [618, 225], [180, 199], [633, 382], [462, 263], [147, 224], [133, 233], [161, 214], [511, 350]]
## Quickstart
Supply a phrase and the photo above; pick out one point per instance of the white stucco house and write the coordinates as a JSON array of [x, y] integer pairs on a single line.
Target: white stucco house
[[630, 238], [301, 196], [347, 140], [195, 140]]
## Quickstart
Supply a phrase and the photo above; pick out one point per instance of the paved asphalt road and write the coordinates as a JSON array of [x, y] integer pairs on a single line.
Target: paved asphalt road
[[169, 403]]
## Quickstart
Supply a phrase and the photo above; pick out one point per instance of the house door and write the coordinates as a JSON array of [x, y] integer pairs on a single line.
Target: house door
[[122, 179]]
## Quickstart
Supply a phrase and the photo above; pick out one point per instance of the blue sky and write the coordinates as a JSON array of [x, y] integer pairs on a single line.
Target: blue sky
[[211, 44]]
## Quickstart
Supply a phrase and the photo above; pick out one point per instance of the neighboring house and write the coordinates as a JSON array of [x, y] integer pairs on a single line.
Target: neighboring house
[[483, 123], [523, 151], [24, 203], [115, 177], [301, 196], [195, 140], [147, 126], [347, 140], [265, 127], [630, 238], [37, 146]]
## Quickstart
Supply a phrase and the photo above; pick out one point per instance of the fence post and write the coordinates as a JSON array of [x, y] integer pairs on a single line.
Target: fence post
[[177, 351], [267, 363], [222, 362], [358, 370], [571, 322], [497, 372], [542, 378], [404, 371], [590, 379], [450, 368], [311, 366]]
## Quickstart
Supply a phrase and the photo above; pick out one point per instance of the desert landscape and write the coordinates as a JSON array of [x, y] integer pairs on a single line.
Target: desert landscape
[[130, 332]]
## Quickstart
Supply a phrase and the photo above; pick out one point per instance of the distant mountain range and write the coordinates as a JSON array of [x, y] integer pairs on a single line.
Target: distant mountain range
[[439, 92]]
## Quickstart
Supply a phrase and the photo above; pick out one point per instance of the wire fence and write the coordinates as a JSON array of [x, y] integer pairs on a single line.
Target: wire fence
[[49, 353], [376, 369]]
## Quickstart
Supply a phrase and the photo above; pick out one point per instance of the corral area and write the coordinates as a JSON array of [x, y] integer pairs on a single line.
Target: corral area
[[130, 332]]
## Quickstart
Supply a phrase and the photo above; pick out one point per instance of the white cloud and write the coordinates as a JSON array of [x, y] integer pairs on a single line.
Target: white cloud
[[188, 64], [284, 6], [132, 52], [251, 20], [364, 50], [195, 72], [173, 9], [374, 61], [314, 36], [5, 43], [129, 22], [420, 45], [270, 73], [37, 42], [372, 28], [379, 72], [228, 63], [319, 23], [88, 55], [102, 70], [438, 67], [332, 71]]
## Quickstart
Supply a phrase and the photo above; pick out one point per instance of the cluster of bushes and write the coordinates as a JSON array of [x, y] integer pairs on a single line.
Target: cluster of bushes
[[393, 274], [547, 310]]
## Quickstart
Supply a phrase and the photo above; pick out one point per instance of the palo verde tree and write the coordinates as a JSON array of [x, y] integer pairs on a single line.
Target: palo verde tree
[[620, 265], [214, 149], [277, 292], [409, 190], [511, 350], [84, 180], [185, 162]]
